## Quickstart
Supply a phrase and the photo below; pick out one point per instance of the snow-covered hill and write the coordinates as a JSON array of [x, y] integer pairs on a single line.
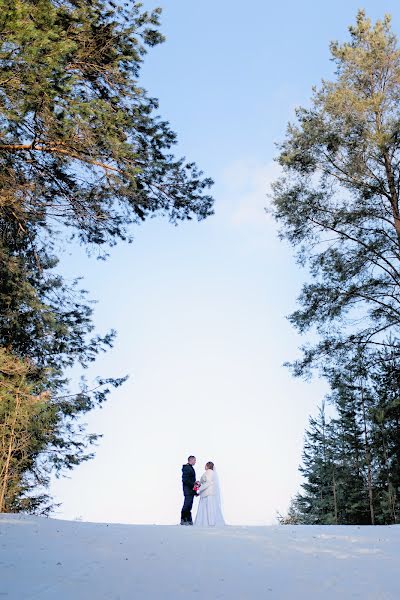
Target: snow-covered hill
[[46, 559]]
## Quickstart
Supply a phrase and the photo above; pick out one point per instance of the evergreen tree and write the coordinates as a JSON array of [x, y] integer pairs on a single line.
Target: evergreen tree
[[357, 451], [82, 150], [334, 490], [385, 434], [20, 411], [39, 434], [338, 200], [318, 502], [80, 139], [48, 323], [353, 456], [338, 205]]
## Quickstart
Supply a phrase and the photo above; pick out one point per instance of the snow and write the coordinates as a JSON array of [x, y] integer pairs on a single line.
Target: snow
[[49, 559]]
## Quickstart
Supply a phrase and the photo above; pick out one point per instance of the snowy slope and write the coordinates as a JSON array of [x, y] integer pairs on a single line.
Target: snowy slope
[[60, 560]]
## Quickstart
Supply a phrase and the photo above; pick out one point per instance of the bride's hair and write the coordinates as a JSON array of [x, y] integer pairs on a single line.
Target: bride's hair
[[210, 465]]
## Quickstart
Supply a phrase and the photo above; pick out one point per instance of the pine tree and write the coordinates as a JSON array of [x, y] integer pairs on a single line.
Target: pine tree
[[49, 324], [83, 152], [317, 504], [81, 141], [337, 201], [356, 452], [338, 205], [24, 425], [385, 433], [352, 448]]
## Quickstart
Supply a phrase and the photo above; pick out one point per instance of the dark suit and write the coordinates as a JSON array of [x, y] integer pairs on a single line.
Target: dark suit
[[188, 481]]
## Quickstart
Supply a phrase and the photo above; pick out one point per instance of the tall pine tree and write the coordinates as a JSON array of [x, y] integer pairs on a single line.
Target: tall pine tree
[[84, 152]]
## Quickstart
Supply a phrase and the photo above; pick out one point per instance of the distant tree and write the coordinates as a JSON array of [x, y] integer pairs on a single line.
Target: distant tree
[[338, 200], [385, 436], [318, 503], [334, 486], [353, 399], [351, 462]]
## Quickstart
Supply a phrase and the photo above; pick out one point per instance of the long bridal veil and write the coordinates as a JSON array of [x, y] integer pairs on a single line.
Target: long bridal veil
[[218, 503]]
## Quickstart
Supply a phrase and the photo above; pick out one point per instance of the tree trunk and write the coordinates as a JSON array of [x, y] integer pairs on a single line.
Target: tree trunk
[[368, 459], [6, 469], [394, 199], [334, 496], [392, 497]]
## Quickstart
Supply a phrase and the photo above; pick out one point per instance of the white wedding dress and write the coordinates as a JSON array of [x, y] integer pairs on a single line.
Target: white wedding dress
[[209, 512]]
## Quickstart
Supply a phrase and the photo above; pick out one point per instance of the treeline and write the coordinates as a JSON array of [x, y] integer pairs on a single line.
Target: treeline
[[83, 155], [351, 462], [338, 204]]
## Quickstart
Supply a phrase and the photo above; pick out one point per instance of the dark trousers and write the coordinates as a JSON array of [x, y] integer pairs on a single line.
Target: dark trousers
[[186, 513]]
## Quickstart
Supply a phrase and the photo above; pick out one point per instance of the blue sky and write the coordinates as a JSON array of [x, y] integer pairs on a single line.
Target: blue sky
[[200, 308]]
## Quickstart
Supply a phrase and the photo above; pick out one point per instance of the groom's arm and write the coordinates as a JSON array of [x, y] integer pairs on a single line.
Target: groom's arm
[[187, 478]]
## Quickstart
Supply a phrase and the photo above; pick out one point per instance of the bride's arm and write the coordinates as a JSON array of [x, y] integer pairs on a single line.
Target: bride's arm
[[205, 484]]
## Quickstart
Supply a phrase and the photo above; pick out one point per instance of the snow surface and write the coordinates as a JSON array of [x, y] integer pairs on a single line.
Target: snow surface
[[49, 559]]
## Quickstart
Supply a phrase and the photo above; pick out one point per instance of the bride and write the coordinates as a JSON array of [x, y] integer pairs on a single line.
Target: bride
[[209, 513]]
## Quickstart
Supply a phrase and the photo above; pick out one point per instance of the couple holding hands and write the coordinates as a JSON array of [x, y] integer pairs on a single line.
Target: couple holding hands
[[209, 513]]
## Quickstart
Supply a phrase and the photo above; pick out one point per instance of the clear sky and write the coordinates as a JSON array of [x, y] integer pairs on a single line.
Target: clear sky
[[200, 308]]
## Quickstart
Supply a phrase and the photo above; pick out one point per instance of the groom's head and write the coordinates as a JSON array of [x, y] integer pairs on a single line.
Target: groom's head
[[192, 460]]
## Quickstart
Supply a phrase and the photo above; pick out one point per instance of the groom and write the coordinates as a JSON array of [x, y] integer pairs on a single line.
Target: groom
[[188, 481]]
